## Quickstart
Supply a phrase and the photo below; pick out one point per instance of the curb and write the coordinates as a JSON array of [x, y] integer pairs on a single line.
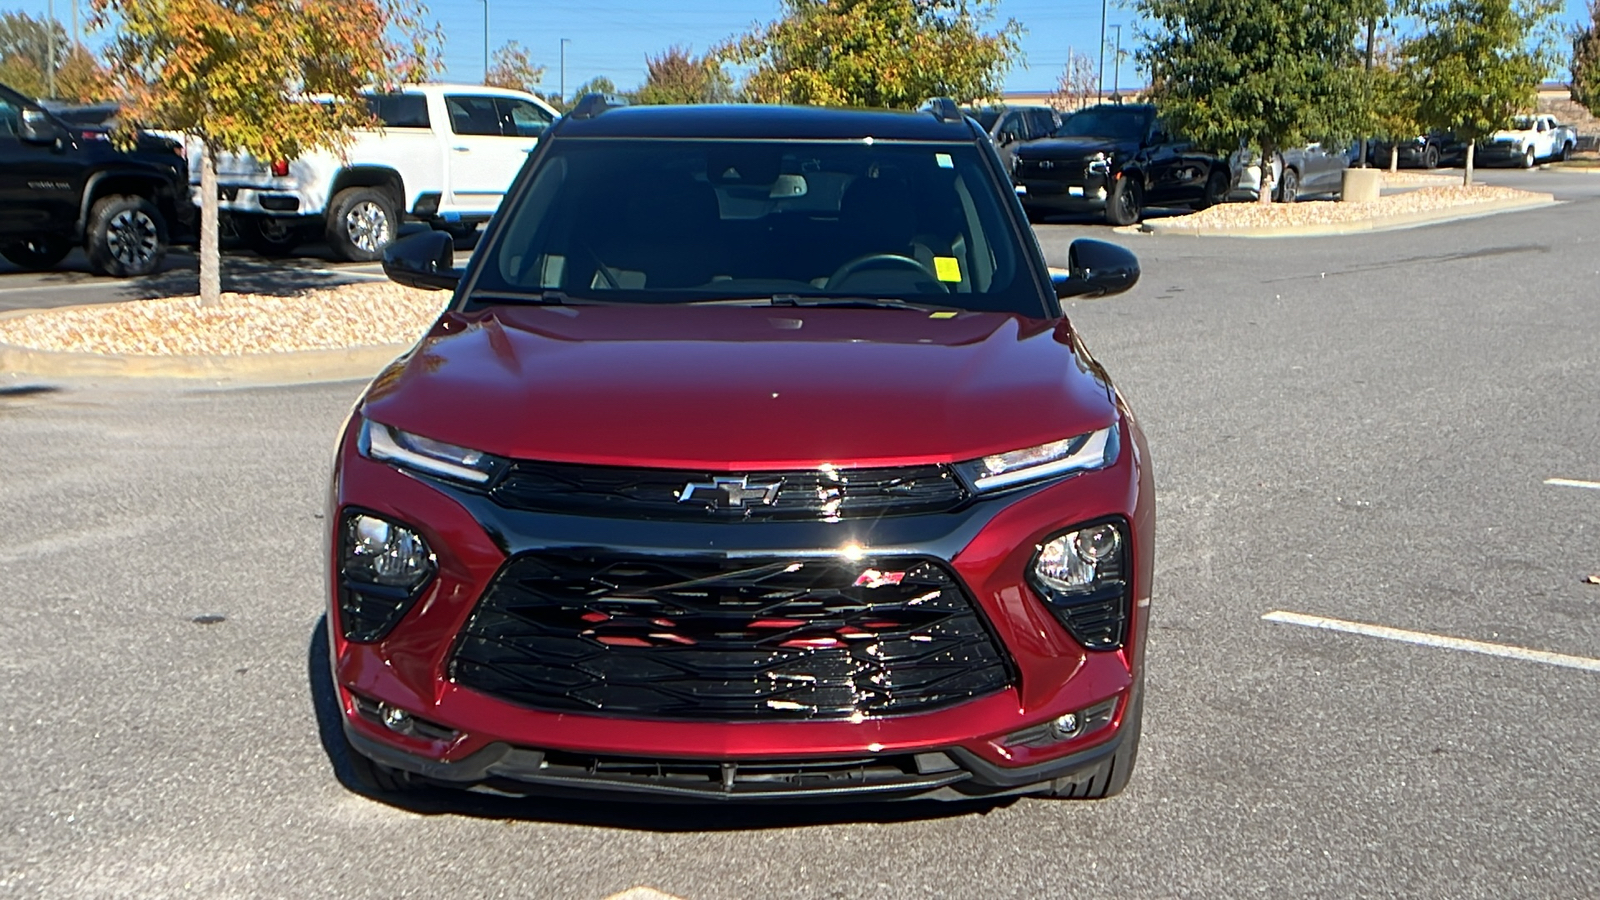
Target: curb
[[337, 364], [1359, 226]]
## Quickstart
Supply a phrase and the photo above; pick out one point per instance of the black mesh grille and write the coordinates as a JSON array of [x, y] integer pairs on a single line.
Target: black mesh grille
[[655, 493], [728, 640]]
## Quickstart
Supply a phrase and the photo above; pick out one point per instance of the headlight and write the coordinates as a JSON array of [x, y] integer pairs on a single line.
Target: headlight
[[413, 451], [1099, 164], [1081, 575], [383, 568], [1083, 453]]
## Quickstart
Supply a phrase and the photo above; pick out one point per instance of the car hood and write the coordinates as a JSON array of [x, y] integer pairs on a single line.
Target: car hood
[[1070, 148], [729, 388]]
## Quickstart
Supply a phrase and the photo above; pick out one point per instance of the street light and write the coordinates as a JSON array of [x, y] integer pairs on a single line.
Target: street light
[[1116, 66], [485, 41], [1100, 78], [564, 43]]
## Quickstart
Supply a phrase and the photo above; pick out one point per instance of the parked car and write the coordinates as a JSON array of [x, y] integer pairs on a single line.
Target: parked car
[[65, 185], [1528, 140], [1298, 172], [1116, 159], [1011, 126], [1428, 151], [444, 154], [701, 489]]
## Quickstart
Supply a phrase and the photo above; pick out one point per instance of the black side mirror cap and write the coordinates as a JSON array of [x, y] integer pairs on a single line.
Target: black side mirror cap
[[425, 261], [36, 127], [1095, 269]]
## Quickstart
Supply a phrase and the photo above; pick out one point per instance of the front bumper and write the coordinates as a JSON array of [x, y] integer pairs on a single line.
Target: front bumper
[[1082, 195], [961, 750], [1501, 153]]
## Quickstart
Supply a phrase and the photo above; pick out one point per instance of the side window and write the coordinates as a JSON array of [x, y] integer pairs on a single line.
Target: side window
[[8, 119], [519, 118], [1011, 123], [473, 115], [403, 111], [1046, 122]]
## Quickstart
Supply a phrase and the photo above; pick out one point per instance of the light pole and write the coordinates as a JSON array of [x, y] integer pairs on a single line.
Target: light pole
[[485, 41], [50, 50], [1100, 79], [564, 43], [1116, 67]]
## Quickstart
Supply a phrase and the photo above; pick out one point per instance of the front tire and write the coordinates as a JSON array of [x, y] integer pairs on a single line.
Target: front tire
[[373, 777], [1216, 190], [1528, 159], [1430, 157], [1289, 186], [37, 253], [1111, 776], [126, 237], [1126, 202], [362, 222]]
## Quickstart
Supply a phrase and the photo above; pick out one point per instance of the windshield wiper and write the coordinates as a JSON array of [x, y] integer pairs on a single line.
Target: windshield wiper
[[864, 302], [544, 298]]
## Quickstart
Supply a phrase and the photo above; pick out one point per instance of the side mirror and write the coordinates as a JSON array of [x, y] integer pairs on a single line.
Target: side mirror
[[426, 261], [1006, 137], [1095, 269], [37, 128]]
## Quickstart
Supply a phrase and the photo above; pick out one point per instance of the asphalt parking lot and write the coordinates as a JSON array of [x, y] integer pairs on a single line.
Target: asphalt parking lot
[[1394, 430]]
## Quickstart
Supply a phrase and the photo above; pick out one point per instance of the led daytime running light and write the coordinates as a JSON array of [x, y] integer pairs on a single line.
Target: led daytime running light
[[1094, 450], [425, 454]]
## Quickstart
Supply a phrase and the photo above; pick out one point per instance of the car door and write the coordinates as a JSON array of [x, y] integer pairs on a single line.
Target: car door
[[1009, 133], [489, 140], [38, 180], [1177, 172]]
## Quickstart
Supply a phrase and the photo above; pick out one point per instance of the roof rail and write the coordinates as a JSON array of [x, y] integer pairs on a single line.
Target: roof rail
[[943, 108], [591, 105]]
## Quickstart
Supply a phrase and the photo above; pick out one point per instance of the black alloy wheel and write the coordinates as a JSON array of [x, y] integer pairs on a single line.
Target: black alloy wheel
[[1289, 186], [1126, 202], [1216, 192], [36, 254], [1430, 157], [126, 236]]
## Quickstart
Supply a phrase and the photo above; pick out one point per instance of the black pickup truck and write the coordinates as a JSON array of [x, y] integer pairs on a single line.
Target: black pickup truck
[[1118, 159], [64, 185]]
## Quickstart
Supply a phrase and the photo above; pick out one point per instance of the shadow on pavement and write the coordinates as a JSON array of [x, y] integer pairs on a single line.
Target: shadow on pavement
[[635, 815]]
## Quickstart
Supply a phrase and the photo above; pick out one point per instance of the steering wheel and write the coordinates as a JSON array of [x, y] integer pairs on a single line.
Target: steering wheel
[[879, 260]]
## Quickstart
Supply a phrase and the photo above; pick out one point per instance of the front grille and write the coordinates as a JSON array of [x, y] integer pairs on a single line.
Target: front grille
[[814, 494], [728, 640], [1063, 169]]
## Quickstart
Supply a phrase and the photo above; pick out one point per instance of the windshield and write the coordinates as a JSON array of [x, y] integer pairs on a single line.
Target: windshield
[[1121, 124], [686, 221], [1522, 123], [985, 117]]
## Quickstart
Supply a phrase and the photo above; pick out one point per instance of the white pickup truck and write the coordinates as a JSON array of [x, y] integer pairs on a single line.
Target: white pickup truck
[[445, 154], [1528, 140]]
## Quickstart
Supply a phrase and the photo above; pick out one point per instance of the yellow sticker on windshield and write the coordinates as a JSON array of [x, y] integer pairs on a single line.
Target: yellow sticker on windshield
[[948, 268]]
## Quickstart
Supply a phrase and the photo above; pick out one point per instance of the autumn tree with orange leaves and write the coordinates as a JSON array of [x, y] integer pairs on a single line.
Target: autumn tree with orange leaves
[[236, 76]]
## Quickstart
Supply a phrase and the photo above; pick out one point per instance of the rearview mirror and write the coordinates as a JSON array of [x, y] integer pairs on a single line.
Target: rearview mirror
[[36, 127], [1095, 269], [424, 261]]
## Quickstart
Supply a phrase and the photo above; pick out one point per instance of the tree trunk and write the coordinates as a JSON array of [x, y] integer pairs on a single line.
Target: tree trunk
[[1466, 179], [1394, 158], [210, 257], [1268, 180]]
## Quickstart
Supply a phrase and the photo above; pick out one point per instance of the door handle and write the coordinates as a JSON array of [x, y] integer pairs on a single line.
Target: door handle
[[461, 149]]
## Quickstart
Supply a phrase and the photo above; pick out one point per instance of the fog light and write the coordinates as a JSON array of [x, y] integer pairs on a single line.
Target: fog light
[[381, 552], [1066, 726], [395, 718]]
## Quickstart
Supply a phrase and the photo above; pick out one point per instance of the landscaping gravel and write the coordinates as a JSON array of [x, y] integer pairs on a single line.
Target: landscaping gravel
[[1326, 212]]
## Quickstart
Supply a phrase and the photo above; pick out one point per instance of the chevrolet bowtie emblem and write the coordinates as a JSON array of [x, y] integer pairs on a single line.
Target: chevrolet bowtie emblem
[[730, 491]]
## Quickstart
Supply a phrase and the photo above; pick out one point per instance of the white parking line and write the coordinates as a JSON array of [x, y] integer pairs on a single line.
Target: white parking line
[[1436, 640], [1572, 482]]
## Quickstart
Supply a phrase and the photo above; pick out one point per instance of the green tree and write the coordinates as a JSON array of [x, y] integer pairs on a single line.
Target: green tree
[[599, 84], [1267, 76], [881, 53], [1478, 63], [676, 76], [1586, 61], [513, 68], [26, 46], [233, 74]]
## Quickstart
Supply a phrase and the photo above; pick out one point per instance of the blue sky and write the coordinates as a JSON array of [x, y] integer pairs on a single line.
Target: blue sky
[[613, 37]]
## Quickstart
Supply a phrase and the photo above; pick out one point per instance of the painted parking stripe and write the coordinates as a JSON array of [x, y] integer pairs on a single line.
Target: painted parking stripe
[[1573, 482], [1435, 640]]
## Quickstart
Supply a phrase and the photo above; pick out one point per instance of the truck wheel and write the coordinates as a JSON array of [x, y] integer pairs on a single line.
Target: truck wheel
[[361, 223], [37, 253], [1528, 159], [1216, 190], [1110, 777], [1566, 152], [270, 235], [1430, 157], [1126, 203], [126, 236]]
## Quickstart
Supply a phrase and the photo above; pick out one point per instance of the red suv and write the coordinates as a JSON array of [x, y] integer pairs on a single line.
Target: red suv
[[753, 460]]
